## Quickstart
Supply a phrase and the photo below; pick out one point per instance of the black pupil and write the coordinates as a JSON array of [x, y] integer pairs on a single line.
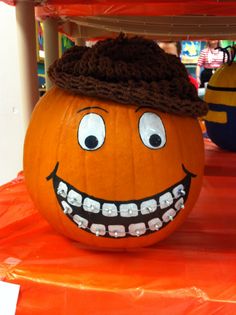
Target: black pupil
[[155, 140], [91, 142]]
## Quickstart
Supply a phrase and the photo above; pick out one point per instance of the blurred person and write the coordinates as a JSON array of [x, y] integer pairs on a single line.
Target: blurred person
[[174, 48], [170, 47], [210, 59]]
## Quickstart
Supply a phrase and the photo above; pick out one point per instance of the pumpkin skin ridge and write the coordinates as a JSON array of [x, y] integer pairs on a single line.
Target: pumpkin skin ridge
[[86, 215]]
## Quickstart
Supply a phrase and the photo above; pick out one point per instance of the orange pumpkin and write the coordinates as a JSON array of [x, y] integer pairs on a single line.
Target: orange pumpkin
[[110, 175]]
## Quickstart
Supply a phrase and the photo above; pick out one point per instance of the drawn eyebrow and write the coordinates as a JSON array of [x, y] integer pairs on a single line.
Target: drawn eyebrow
[[141, 107], [87, 108]]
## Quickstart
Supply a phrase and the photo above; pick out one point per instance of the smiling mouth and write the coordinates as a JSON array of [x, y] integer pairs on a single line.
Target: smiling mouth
[[118, 219]]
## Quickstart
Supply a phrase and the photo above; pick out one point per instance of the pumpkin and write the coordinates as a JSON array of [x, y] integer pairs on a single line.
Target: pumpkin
[[221, 97], [88, 182], [112, 160]]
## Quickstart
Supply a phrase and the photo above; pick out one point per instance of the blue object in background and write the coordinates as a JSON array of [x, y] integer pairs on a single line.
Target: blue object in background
[[41, 78], [223, 133], [191, 51]]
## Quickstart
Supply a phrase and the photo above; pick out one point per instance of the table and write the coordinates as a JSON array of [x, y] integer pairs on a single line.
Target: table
[[191, 272]]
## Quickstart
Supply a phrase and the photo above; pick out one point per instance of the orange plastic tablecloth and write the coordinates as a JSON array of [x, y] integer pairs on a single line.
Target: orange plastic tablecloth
[[191, 272]]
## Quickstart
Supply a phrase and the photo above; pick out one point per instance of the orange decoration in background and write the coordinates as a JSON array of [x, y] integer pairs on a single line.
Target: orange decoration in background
[[202, 125]]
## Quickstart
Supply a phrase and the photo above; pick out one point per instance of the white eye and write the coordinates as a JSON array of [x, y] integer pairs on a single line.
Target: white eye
[[152, 131], [91, 132]]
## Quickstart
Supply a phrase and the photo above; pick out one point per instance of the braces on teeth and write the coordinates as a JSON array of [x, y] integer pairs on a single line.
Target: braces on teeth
[[98, 216], [138, 232], [116, 233], [62, 193]]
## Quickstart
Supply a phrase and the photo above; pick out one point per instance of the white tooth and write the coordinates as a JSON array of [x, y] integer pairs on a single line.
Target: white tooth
[[169, 215], [137, 229], [116, 230], [148, 206], [109, 210], [177, 189], [165, 200], [82, 223], [62, 189], [179, 203], [128, 210], [155, 224], [66, 207], [91, 205], [98, 229], [74, 198]]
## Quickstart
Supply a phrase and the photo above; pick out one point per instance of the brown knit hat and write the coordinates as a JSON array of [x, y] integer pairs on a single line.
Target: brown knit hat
[[129, 71]]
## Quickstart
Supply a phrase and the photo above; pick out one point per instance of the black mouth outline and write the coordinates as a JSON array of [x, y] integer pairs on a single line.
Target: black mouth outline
[[99, 218]]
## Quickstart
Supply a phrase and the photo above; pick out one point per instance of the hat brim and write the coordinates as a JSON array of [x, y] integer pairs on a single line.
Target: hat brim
[[159, 95]]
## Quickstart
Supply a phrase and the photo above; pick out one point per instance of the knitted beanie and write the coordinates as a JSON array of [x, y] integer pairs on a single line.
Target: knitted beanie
[[129, 71]]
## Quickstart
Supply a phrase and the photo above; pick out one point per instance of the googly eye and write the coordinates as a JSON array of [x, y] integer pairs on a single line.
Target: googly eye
[[91, 132], [152, 131]]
